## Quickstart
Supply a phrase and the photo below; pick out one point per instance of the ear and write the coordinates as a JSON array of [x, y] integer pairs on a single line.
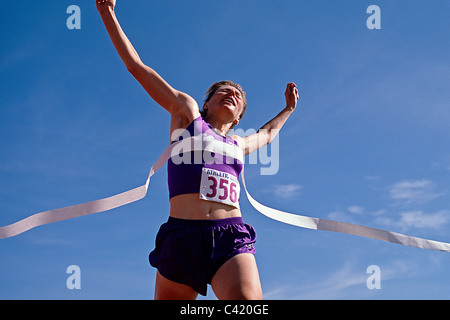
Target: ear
[[235, 122]]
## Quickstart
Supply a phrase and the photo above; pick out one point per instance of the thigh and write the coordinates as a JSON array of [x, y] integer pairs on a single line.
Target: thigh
[[166, 289], [238, 279]]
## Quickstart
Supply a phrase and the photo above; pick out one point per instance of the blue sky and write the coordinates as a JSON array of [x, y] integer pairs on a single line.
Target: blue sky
[[368, 143]]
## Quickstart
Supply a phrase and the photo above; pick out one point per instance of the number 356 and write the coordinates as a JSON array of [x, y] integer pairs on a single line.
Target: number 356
[[222, 184]]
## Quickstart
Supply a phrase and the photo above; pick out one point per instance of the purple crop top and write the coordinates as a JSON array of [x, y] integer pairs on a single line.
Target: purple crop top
[[213, 175]]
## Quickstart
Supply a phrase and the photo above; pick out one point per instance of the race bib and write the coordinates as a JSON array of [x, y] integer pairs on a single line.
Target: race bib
[[220, 187]]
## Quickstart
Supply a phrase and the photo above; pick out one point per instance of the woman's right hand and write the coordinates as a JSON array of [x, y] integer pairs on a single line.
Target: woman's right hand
[[104, 5]]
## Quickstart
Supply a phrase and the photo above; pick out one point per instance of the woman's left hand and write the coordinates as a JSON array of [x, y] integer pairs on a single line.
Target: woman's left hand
[[291, 95]]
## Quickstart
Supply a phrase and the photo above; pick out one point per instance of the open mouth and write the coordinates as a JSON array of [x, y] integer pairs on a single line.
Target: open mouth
[[229, 100]]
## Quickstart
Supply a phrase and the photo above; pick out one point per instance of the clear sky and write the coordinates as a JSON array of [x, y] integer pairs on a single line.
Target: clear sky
[[368, 144]]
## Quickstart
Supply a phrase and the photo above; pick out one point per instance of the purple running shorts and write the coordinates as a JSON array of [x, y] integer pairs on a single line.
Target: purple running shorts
[[191, 251]]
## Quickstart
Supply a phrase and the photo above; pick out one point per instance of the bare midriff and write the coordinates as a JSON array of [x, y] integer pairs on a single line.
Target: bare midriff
[[190, 206]]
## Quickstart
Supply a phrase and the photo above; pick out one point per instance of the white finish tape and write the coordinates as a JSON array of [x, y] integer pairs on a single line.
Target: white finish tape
[[86, 208], [343, 227], [194, 144]]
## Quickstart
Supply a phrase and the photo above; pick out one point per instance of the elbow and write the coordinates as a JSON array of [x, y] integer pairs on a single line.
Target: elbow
[[270, 135], [264, 137], [134, 67]]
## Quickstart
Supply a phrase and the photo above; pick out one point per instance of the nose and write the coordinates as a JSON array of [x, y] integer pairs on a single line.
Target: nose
[[233, 93]]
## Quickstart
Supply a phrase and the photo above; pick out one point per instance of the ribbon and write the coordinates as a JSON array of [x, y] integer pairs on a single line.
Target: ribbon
[[196, 144], [86, 208], [343, 227]]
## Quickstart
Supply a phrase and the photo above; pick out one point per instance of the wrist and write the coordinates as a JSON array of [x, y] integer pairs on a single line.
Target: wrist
[[289, 108], [106, 10]]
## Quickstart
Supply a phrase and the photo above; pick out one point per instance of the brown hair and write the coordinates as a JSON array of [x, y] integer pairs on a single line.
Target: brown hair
[[212, 90]]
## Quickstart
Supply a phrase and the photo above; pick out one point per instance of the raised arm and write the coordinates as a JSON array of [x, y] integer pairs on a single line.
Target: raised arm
[[269, 131], [181, 106]]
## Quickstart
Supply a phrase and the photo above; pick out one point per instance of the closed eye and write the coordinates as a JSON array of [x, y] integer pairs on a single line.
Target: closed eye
[[237, 94]]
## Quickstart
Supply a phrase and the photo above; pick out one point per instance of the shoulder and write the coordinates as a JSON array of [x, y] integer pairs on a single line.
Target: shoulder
[[185, 107], [185, 111], [240, 141]]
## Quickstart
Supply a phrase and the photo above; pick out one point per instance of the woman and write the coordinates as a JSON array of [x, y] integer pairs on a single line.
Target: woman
[[205, 240]]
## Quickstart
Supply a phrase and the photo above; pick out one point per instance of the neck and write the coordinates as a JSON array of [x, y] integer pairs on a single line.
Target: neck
[[218, 125]]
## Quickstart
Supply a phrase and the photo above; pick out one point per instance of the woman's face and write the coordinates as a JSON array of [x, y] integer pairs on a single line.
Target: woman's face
[[227, 99]]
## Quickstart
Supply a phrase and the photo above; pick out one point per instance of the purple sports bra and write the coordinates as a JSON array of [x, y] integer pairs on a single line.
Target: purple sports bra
[[214, 175]]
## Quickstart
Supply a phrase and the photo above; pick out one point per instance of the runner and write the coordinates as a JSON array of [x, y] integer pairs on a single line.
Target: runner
[[205, 240]]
